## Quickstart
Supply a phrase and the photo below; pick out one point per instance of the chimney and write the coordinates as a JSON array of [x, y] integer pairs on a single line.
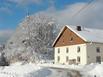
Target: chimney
[[79, 28]]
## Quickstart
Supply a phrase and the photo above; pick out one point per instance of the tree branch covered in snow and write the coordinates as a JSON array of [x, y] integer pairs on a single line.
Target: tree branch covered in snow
[[33, 39]]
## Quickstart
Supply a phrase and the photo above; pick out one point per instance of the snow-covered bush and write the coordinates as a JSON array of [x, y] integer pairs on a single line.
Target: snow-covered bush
[[3, 60]]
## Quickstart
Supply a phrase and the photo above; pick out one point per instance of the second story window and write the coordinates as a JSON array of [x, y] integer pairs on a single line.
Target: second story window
[[78, 49], [98, 49], [67, 50], [58, 50]]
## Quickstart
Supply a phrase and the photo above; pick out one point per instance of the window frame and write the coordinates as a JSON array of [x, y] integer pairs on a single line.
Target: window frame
[[78, 49], [78, 59], [98, 59], [58, 58], [58, 50], [71, 39], [98, 49], [67, 50], [67, 58]]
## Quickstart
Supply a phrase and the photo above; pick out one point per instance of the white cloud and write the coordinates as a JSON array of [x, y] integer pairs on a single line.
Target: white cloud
[[5, 32], [92, 16], [5, 35], [5, 10]]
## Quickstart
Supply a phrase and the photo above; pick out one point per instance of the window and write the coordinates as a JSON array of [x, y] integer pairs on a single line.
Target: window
[[58, 58], [67, 50], [78, 59], [67, 58], [71, 39], [78, 49], [98, 59], [63, 42], [58, 50], [98, 49]]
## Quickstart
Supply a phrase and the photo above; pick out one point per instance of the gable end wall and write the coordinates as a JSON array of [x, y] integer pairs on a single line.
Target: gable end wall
[[65, 38]]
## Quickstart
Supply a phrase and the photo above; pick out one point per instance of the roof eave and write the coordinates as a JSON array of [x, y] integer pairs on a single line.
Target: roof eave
[[67, 26], [58, 36]]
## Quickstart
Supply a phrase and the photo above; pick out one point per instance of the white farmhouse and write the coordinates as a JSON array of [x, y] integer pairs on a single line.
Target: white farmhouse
[[78, 45]]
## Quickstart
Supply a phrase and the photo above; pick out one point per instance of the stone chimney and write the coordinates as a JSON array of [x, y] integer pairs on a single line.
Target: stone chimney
[[79, 28]]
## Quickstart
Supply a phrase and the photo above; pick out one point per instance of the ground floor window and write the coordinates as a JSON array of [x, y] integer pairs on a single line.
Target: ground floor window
[[78, 59], [58, 58], [98, 59], [67, 58]]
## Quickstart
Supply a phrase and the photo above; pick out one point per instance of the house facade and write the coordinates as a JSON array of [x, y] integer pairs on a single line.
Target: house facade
[[77, 45]]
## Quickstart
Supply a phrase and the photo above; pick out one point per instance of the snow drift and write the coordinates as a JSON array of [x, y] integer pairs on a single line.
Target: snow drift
[[51, 70]]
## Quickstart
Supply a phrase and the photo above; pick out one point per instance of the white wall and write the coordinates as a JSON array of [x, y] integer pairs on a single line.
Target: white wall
[[92, 53], [72, 53]]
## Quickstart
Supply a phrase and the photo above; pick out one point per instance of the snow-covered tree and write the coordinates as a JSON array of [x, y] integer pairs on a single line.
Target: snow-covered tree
[[2, 46], [33, 39]]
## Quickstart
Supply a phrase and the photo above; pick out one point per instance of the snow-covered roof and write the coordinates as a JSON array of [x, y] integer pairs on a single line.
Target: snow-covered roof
[[88, 34]]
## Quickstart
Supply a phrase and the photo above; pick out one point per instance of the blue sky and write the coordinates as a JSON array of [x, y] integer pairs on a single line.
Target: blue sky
[[12, 12]]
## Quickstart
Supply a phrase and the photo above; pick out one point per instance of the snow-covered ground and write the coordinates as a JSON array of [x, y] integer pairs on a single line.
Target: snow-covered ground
[[51, 70]]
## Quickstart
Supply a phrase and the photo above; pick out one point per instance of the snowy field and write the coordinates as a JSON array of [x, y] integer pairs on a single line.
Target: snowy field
[[51, 70]]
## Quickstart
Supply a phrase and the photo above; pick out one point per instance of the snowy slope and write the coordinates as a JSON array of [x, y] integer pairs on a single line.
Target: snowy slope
[[17, 70], [51, 70], [30, 70]]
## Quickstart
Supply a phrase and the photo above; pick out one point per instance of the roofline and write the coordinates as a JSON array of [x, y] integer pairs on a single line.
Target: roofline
[[67, 26], [58, 35], [76, 33], [63, 30], [94, 42]]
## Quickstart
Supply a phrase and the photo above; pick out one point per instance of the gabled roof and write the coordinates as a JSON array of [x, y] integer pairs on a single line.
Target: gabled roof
[[87, 34]]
